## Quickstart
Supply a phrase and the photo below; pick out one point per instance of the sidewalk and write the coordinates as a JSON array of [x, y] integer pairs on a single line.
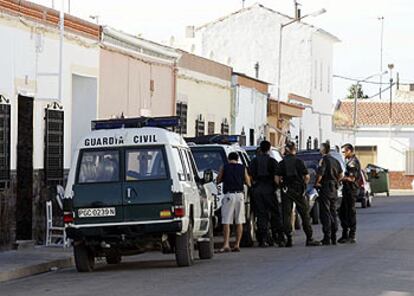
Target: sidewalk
[[27, 262]]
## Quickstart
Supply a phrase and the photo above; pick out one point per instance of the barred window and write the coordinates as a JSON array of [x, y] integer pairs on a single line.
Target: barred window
[[199, 127], [4, 143], [225, 127], [54, 137], [181, 112]]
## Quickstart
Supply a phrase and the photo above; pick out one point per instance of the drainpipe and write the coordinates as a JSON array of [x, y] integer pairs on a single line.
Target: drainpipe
[[174, 93]]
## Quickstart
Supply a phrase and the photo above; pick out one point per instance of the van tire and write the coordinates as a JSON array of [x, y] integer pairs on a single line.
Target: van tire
[[84, 258], [113, 259], [249, 232], [184, 247], [206, 249]]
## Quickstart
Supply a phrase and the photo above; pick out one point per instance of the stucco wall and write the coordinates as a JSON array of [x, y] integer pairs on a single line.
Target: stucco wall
[[205, 95], [21, 73], [125, 86], [252, 36], [390, 150], [250, 112]]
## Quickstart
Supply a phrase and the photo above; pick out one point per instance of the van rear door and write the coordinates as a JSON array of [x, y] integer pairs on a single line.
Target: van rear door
[[147, 184], [98, 187]]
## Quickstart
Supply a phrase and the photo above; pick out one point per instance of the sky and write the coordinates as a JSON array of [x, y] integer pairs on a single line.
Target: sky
[[354, 22]]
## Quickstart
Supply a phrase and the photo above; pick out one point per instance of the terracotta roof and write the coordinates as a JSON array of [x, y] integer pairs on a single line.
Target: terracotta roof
[[374, 114], [49, 16]]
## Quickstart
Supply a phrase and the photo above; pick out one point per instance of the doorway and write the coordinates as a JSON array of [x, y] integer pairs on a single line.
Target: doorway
[[24, 201]]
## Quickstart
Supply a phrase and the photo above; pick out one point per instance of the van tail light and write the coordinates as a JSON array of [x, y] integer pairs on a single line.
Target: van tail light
[[68, 217], [179, 211]]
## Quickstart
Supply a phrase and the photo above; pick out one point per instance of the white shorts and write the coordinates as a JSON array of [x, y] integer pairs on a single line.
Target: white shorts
[[232, 209]]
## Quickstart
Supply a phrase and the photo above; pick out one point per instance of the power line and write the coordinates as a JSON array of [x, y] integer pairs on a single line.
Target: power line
[[367, 81]]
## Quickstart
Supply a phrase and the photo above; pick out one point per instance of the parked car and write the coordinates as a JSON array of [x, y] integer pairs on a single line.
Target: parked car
[[312, 159], [211, 153], [365, 197], [274, 152]]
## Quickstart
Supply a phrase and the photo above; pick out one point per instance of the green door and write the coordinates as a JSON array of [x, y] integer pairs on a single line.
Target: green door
[[98, 187], [147, 184]]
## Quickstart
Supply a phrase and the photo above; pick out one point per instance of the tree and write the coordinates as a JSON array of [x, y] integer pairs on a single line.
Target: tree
[[351, 92]]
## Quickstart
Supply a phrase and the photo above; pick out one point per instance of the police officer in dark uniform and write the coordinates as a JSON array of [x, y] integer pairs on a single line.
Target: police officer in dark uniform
[[263, 170], [293, 176], [328, 177], [347, 210]]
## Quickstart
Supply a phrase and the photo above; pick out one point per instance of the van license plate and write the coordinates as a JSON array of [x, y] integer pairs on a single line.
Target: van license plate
[[96, 212]]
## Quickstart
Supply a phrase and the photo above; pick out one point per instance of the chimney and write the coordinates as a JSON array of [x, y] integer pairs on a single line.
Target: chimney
[[189, 32]]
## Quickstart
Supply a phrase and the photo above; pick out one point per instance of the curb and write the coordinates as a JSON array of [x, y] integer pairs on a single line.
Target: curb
[[35, 269]]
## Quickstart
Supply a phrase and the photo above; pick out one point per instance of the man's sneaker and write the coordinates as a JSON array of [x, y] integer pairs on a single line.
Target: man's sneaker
[[312, 243]]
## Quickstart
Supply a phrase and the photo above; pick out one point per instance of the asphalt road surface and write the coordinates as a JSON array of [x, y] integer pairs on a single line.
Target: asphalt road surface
[[381, 263]]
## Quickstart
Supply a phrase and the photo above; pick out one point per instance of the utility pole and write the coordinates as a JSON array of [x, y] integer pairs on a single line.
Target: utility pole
[[381, 19], [61, 40], [243, 3], [391, 67]]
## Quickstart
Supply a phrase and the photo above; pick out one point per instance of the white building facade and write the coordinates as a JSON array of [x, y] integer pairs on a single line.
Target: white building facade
[[249, 110], [384, 134], [42, 126], [248, 40]]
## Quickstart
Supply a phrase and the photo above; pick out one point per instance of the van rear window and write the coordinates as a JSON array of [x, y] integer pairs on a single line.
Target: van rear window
[[99, 167], [209, 159], [145, 164]]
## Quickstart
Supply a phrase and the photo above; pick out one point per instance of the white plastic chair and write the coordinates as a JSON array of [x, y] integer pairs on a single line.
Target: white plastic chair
[[55, 235]]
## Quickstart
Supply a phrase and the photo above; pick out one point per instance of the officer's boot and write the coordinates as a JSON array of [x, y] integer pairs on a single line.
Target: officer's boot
[[333, 239], [344, 238], [310, 242], [326, 241], [352, 238], [281, 240], [289, 242]]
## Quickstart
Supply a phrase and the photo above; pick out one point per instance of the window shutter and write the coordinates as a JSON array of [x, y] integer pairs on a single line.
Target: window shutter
[[4, 143], [54, 147]]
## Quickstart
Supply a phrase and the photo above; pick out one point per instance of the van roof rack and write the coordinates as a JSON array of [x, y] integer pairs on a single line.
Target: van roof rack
[[166, 122], [214, 139]]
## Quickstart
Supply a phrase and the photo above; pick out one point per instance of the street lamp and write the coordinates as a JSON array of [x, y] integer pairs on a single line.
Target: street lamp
[[356, 97], [314, 14]]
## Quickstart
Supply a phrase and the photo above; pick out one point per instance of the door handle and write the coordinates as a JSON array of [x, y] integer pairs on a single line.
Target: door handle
[[130, 191]]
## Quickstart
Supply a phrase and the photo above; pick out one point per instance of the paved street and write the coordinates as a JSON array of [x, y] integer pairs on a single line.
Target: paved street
[[382, 263]]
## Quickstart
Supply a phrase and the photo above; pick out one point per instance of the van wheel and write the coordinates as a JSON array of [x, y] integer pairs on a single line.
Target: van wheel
[[315, 214], [364, 202], [249, 232], [296, 220], [84, 258], [113, 259], [184, 247], [206, 249], [369, 200]]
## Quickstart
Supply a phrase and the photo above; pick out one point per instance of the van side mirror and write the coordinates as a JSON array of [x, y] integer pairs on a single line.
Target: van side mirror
[[208, 176]]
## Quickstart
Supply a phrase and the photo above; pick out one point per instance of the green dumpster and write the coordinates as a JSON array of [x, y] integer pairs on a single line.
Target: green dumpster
[[378, 179]]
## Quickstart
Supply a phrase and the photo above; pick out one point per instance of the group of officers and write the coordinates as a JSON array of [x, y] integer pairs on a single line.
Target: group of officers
[[292, 177]]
